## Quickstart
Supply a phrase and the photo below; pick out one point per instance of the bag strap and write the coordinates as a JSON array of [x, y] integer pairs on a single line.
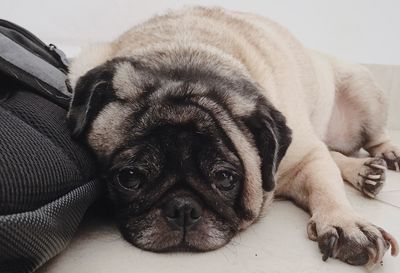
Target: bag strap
[[19, 62]]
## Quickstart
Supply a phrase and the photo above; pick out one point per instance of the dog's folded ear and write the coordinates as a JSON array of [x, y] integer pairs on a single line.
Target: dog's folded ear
[[92, 91], [272, 137]]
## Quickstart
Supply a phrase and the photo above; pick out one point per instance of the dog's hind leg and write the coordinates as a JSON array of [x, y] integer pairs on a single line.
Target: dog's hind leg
[[357, 89], [365, 174]]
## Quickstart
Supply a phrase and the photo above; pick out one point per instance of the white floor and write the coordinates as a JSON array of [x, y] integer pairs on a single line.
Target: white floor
[[278, 243]]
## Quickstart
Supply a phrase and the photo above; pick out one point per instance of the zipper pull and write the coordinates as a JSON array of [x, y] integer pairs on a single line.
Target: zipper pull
[[60, 55]]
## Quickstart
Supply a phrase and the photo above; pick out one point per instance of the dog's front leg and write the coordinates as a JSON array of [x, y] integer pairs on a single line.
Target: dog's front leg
[[316, 184]]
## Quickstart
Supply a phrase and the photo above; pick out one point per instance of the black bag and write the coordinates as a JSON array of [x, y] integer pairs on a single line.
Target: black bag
[[47, 180]]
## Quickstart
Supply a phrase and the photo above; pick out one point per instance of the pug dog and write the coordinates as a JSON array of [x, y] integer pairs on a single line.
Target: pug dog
[[199, 117]]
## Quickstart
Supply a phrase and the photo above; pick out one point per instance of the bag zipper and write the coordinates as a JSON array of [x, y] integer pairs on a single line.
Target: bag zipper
[[55, 52], [60, 55]]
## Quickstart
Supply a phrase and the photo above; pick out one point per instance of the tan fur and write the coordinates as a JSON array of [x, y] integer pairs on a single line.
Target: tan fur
[[105, 122], [94, 56], [125, 83], [328, 103]]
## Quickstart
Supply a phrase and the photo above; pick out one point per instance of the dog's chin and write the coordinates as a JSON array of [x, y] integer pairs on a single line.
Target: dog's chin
[[154, 234], [178, 242]]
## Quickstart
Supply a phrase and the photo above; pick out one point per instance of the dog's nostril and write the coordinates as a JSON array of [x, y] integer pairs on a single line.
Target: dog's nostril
[[182, 212], [195, 213], [175, 214]]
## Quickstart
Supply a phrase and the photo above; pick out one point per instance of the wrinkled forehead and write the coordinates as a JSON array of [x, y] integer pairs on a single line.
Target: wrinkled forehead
[[172, 145], [118, 126], [138, 102]]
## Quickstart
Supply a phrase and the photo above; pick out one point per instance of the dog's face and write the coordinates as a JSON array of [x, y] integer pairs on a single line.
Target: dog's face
[[187, 150]]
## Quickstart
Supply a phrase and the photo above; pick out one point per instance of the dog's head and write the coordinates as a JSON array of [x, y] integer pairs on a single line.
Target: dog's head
[[188, 148]]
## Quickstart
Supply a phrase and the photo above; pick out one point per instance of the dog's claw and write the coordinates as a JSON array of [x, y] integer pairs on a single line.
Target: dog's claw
[[393, 161], [329, 250], [390, 242], [372, 177], [370, 182], [371, 195], [377, 166]]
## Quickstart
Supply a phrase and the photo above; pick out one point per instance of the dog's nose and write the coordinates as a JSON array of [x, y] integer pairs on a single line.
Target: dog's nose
[[182, 212]]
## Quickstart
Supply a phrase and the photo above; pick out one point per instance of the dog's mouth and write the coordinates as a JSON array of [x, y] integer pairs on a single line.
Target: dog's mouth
[[180, 243], [153, 233], [184, 244]]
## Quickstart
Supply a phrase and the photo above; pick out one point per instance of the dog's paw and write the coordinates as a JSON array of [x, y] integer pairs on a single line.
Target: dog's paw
[[390, 153], [371, 176], [392, 159], [352, 240]]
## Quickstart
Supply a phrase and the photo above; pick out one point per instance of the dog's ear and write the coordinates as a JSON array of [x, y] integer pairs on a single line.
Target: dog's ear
[[272, 137], [92, 91]]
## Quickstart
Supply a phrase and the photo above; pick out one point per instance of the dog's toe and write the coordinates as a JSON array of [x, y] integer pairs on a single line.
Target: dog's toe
[[327, 245], [392, 159], [348, 245], [372, 177], [355, 242]]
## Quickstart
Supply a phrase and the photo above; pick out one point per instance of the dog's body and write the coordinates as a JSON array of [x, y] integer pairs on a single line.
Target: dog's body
[[333, 109]]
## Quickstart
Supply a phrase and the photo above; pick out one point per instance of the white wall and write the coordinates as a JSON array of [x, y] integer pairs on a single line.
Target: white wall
[[366, 31]]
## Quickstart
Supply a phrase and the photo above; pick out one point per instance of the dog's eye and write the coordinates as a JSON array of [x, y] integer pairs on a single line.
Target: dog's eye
[[129, 179], [225, 180]]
